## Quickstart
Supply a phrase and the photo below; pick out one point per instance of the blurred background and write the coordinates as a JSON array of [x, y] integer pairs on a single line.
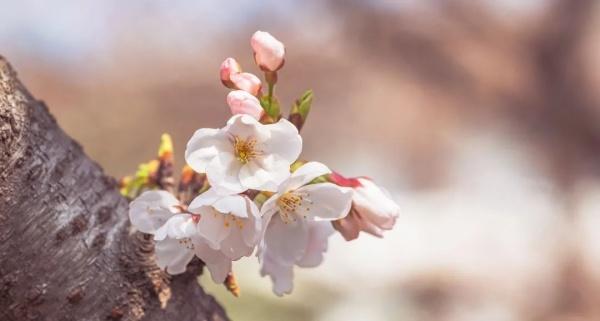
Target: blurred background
[[482, 118]]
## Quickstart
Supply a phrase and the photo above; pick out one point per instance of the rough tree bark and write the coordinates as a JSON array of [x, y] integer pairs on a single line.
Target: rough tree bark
[[66, 252]]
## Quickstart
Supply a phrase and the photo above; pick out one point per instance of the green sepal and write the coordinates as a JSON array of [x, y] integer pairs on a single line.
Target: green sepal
[[271, 106]]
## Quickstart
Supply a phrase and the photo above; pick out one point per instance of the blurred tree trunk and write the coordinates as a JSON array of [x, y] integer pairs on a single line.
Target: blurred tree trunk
[[66, 252]]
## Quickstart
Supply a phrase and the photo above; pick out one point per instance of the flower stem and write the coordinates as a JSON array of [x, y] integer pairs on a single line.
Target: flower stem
[[270, 94]]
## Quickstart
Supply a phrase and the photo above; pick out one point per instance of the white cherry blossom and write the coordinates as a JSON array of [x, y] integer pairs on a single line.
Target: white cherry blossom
[[245, 154], [230, 224], [289, 217], [180, 235]]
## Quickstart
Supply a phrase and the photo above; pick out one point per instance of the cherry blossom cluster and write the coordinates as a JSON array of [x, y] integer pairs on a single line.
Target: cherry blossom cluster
[[262, 198]]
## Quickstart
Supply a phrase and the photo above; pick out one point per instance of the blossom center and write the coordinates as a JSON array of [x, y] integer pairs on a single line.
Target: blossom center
[[288, 202], [245, 149]]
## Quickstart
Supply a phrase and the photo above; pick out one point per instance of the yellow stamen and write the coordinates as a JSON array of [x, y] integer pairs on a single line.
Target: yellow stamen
[[245, 149], [288, 202]]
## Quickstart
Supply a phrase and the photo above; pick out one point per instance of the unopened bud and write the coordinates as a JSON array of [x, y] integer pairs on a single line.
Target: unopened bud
[[242, 102], [268, 52], [247, 82], [229, 67], [165, 150]]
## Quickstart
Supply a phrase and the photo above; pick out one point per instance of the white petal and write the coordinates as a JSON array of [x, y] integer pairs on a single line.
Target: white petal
[[219, 270], [324, 201], [223, 173], [208, 198], [172, 256], [267, 211], [233, 204], [284, 141], [212, 227], [270, 206], [318, 235], [244, 126], [285, 243], [234, 246], [177, 226], [281, 275], [304, 175], [252, 225], [217, 263], [265, 174], [205, 145], [151, 210]]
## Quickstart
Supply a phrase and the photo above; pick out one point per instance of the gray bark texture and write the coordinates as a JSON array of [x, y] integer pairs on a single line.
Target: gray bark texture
[[66, 250]]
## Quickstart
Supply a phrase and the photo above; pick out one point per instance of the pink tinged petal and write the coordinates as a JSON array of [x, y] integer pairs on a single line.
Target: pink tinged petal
[[247, 82], [216, 262], [177, 226], [242, 102], [304, 175], [228, 68], [284, 141], [223, 172], [285, 242], [369, 226], [340, 180], [213, 227], [348, 226], [265, 174], [268, 51], [172, 256], [204, 146], [151, 210], [282, 275], [324, 202], [318, 236], [375, 205]]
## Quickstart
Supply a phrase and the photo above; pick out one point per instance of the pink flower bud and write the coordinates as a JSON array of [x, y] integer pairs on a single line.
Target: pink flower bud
[[247, 82], [229, 67], [372, 211], [242, 102], [268, 51]]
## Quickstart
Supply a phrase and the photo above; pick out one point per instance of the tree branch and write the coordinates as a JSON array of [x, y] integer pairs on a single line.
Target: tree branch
[[66, 251]]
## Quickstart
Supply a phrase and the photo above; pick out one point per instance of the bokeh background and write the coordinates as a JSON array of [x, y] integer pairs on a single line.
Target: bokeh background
[[481, 117]]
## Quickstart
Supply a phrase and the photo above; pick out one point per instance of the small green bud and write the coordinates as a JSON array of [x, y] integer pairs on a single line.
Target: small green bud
[[300, 109]]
